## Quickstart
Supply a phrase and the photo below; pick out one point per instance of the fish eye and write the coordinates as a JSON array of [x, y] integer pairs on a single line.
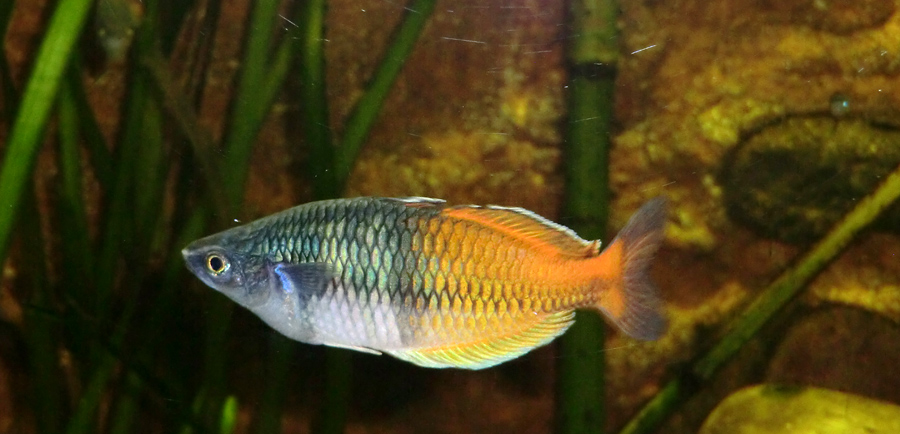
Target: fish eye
[[216, 264]]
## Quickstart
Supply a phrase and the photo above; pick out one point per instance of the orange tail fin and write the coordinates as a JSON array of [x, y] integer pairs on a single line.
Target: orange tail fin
[[627, 295]]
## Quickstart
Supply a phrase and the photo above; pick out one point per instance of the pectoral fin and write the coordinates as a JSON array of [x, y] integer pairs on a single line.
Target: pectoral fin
[[303, 278]]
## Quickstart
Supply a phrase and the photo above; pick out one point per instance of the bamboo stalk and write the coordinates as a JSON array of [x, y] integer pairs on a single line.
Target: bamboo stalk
[[580, 376], [769, 303]]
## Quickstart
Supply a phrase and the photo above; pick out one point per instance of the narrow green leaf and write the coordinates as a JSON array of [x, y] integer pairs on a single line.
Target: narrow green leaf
[[206, 155], [281, 352], [76, 283], [118, 217], [327, 183], [149, 178], [249, 104], [77, 251], [98, 151], [84, 417], [219, 311], [40, 94], [40, 328], [124, 418], [314, 110], [278, 71], [332, 414], [229, 415], [366, 111]]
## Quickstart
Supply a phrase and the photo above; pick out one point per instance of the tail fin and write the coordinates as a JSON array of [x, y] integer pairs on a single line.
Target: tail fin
[[628, 296]]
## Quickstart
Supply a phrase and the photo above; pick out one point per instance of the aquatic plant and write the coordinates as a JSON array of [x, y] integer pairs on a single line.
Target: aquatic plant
[[592, 56], [87, 313]]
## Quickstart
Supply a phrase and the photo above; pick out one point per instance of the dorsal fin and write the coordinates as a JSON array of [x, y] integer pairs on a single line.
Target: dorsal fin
[[529, 227], [418, 201], [489, 352]]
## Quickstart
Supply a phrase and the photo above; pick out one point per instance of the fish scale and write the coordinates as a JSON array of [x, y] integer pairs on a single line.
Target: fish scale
[[435, 285]]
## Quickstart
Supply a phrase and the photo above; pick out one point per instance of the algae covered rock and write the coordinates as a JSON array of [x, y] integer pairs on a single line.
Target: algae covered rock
[[795, 410], [854, 351], [796, 178], [834, 16]]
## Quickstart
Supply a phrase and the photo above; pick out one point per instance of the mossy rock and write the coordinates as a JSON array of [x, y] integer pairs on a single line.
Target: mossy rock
[[796, 178], [835, 16], [770, 409], [841, 348]]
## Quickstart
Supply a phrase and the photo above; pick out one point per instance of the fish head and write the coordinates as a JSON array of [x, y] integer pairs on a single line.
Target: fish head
[[225, 262]]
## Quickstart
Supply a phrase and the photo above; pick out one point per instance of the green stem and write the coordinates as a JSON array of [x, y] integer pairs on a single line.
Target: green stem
[[580, 377], [40, 94], [772, 299], [369, 106]]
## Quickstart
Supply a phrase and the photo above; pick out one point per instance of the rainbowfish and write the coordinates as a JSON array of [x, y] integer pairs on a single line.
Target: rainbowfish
[[436, 285]]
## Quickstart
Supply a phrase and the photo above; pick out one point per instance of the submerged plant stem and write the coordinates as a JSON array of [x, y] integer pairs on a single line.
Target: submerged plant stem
[[772, 299], [580, 376]]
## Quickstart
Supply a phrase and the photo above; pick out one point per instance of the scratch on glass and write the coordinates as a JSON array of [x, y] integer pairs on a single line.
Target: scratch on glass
[[642, 49]]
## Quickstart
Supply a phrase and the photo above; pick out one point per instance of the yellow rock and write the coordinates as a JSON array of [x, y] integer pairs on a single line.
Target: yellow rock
[[798, 410]]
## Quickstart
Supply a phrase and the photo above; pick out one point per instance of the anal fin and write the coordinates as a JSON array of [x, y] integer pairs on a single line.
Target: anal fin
[[486, 353], [356, 348]]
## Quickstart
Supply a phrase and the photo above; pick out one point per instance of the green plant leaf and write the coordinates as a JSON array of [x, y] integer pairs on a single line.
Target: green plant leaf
[[40, 94]]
